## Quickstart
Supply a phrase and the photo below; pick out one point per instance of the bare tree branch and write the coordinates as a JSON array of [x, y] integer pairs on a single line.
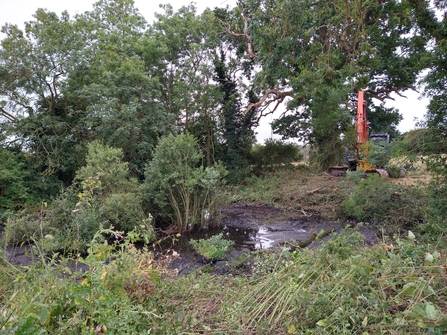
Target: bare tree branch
[[251, 52], [7, 115], [278, 98], [385, 93]]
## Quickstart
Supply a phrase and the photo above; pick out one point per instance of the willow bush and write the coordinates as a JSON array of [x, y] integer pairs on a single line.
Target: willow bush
[[184, 191]]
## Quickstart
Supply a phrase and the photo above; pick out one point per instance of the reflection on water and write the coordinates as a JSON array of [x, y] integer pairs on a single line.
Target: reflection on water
[[244, 238], [262, 240]]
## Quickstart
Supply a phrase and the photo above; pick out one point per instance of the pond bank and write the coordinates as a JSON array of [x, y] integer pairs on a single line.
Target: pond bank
[[251, 227]]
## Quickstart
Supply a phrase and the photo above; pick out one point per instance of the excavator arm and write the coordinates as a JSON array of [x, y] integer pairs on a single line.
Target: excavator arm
[[361, 127]]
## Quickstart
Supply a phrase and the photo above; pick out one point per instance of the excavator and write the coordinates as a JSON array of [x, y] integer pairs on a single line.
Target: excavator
[[361, 149]]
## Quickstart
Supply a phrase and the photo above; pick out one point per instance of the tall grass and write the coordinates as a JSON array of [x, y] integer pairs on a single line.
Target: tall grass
[[342, 287], [345, 288]]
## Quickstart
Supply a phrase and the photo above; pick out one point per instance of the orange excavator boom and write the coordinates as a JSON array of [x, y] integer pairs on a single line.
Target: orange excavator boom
[[361, 127], [362, 122]]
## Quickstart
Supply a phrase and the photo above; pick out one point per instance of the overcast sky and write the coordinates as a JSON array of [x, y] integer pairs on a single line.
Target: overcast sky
[[20, 11]]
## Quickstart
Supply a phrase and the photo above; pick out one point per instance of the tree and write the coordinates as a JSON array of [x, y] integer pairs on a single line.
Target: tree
[[383, 120], [13, 190], [236, 127], [114, 86], [102, 196], [34, 67], [185, 192], [185, 44], [309, 50], [435, 81]]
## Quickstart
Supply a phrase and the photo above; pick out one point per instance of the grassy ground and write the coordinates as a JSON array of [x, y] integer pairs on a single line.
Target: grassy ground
[[342, 287], [299, 190]]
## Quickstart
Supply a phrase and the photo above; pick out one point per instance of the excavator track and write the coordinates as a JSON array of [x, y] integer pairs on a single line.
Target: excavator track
[[381, 172], [337, 171]]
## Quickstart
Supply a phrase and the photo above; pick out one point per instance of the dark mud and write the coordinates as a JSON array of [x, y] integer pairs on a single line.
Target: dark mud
[[257, 228], [251, 227]]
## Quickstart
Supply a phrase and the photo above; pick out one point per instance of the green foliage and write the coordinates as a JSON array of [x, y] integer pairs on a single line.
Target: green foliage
[[32, 302], [341, 287], [256, 189], [344, 288], [13, 191], [41, 120], [383, 120], [213, 248], [376, 199], [104, 172], [414, 142], [275, 154], [185, 191], [319, 66], [107, 198], [237, 132], [26, 226], [434, 226]]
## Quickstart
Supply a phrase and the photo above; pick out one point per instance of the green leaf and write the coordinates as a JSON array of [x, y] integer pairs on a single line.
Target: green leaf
[[429, 257], [43, 316], [291, 330], [431, 311], [365, 321], [322, 323]]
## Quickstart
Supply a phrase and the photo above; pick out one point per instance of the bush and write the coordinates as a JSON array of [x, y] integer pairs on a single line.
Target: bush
[[185, 191], [380, 201], [275, 154], [103, 195], [435, 211], [123, 211], [13, 192], [24, 227], [213, 248], [50, 299]]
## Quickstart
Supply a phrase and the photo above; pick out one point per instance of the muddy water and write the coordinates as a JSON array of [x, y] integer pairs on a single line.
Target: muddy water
[[250, 227], [248, 238], [254, 228]]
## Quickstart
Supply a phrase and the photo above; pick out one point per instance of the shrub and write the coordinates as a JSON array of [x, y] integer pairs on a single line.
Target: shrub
[[24, 227], [213, 248], [185, 191], [275, 154], [435, 211], [103, 195], [123, 211], [13, 192], [48, 298], [376, 199]]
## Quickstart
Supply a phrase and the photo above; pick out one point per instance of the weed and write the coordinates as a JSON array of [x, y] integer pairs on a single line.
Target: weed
[[213, 248], [343, 288], [380, 201], [256, 189]]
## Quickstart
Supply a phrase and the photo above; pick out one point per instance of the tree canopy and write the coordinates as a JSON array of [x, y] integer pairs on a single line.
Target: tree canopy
[[108, 75]]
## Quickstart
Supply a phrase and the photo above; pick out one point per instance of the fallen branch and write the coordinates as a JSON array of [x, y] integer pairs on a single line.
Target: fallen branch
[[313, 237], [313, 191]]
